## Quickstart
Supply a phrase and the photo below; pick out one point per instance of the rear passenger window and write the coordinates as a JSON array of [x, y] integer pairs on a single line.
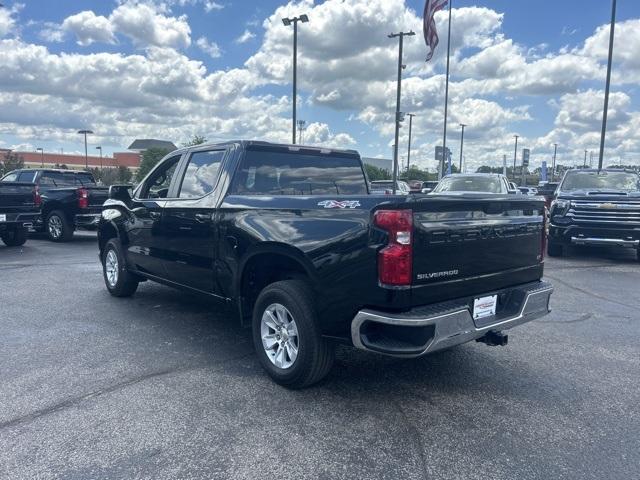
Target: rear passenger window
[[27, 177], [201, 174]]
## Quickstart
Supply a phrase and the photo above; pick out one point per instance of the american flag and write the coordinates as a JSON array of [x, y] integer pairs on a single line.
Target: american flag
[[429, 24]]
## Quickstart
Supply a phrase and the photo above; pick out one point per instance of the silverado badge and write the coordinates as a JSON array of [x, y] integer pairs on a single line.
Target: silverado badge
[[608, 206]]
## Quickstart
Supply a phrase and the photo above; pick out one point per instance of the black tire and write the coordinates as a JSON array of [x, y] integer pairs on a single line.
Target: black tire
[[15, 238], [315, 354], [57, 227], [555, 250], [125, 283]]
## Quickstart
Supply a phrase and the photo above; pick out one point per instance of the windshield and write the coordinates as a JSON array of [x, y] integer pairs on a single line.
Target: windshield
[[603, 180], [462, 183]]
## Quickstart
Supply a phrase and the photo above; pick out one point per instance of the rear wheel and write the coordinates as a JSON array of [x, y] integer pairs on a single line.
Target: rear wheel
[[555, 250], [57, 227], [286, 335], [15, 238], [119, 281]]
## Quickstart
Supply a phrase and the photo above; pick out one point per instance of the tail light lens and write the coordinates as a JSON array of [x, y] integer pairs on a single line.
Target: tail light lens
[[395, 260], [37, 199], [83, 198]]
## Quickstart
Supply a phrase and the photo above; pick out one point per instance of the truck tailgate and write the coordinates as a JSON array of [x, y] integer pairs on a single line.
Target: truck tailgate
[[97, 196], [475, 244], [15, 195]]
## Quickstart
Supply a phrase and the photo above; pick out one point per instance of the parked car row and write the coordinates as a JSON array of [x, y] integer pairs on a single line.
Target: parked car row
[[66, 200]]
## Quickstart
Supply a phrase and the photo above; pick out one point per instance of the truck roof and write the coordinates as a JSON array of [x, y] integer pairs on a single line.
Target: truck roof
[[261, 143]]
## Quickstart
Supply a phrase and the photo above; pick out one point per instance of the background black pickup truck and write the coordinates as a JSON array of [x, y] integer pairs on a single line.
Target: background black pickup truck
[[70, 200], [19, 210], [594, 207], [290, 237]]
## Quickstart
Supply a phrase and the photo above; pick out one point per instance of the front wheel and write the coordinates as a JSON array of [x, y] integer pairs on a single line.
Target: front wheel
[[15, 238], [286, 335], [119, 281]]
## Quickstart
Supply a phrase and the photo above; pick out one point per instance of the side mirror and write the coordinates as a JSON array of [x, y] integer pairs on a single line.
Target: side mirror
[[121, 192], [426, 190]]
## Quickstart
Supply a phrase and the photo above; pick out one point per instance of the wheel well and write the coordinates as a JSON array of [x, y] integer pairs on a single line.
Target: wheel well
[[262, 270], [107, 232]]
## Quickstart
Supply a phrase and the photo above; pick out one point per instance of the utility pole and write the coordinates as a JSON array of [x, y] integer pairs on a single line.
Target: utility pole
[[461, 144], [608, 83], [287, 22], [515, 157], [446, 94], [553, 168], [100, 148], [411, 115], [400, 36]]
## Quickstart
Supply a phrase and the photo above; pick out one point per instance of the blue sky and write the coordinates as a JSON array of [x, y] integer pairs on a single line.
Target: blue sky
[[531, 68]]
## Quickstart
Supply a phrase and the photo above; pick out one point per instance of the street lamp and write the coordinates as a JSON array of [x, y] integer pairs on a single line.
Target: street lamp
[[515, 156], [100, 148], [553, 168], [86, 157], [288, 21], [461, 144], [411, 115], [41, 156]]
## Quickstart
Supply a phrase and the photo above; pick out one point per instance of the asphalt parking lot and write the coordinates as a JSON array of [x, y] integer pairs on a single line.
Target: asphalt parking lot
[[165, 385]]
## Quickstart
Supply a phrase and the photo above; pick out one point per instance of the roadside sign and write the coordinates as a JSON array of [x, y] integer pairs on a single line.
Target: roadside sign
[[543, 171], [439, 153], [525, 157]]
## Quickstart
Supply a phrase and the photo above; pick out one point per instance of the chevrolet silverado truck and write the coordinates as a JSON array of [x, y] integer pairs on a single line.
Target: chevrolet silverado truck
[[596, 207], [19, 210], [70, 200], [290, 237]]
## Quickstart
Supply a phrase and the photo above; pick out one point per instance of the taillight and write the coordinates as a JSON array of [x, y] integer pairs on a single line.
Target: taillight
[[37, 199], [83, 198], [395, 260]]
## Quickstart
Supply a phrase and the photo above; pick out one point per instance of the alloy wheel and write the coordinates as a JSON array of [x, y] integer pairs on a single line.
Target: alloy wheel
[[279, 334]]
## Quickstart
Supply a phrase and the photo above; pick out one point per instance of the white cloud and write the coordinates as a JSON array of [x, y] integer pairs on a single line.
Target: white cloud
[[210, 5], [210, 48], [7, 20], [245, 37], [88, 28], [146, 25]]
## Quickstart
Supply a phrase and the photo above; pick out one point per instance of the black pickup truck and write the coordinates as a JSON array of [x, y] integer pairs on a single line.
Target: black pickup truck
[[290, 237], [594, 207], [19, 210], [70, 200]]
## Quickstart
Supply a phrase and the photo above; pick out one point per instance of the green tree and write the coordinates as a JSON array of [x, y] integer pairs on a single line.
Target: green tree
[[149, 160], [375, 173], [195, 140], [11, 161], [124, 174]]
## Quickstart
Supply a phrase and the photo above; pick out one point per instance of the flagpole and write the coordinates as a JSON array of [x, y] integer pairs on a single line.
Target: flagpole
[[446, 96], [608, 83]]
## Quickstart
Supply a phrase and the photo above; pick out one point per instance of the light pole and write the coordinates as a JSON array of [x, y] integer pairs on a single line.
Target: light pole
[[515, 156], [553, 167], [86, 157], [461, 144], [288, 21], [411, 115], [100, 148], [585, 159], [608, 83], [41, 156], [400, 36]]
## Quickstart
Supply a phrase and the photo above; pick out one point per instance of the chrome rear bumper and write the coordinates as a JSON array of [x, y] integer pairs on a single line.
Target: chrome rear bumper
[[617, 242], [436, 327]]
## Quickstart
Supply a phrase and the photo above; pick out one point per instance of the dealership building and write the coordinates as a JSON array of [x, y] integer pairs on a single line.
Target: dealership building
[[130, 159]]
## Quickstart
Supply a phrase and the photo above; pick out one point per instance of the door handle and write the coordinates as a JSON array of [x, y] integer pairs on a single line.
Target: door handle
[[155, 215], [203, 217]]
